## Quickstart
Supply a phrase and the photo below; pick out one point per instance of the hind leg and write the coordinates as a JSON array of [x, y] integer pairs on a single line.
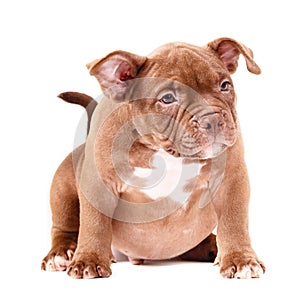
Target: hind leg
[[65, 218], [206, 251]]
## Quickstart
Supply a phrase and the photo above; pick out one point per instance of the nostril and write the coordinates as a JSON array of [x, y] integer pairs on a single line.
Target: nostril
[[221, 123], [208, 126]]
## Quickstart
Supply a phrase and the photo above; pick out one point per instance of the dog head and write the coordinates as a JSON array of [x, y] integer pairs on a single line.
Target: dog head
[[186, 99]]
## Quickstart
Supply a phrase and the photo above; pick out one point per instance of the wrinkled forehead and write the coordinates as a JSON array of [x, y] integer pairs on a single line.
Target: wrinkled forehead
[[194, 66], [156, 87]]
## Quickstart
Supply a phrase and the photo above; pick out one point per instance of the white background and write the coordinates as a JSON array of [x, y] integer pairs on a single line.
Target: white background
[[44, 48]]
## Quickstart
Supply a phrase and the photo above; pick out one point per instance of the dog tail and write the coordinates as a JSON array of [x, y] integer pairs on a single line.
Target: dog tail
[[83, 100], [77, 98]]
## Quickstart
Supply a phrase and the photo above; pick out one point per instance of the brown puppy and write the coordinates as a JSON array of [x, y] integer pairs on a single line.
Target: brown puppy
[[163, 165]]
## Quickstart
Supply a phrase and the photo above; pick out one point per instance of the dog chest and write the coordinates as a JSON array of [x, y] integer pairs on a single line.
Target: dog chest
[[170, 177]]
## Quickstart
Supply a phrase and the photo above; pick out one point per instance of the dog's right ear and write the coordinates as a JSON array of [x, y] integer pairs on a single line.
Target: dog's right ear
[[114, 70]]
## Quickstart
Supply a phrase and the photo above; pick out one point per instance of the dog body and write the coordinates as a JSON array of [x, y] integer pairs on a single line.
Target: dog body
[[180, 231], [162, 166]]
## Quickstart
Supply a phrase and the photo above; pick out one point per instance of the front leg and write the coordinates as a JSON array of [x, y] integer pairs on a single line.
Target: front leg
[[236, 257], [93, 254]]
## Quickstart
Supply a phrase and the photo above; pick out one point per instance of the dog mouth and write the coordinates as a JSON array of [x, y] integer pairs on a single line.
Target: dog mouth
[[206, 144], [213, 151], [208, 152], [206, 147]]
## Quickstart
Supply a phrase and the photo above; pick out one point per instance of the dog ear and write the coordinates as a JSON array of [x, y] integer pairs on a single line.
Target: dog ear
[[229, 51], [114, 70]]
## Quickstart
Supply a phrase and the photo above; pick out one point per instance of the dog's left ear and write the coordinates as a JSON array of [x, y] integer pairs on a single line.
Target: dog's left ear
[[114, 70], [229, 51]]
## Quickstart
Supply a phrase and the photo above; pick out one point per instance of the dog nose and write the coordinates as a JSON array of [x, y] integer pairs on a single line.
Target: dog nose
[[212, 123]]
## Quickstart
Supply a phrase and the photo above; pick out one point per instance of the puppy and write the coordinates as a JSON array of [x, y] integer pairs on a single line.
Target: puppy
[[162, 166]]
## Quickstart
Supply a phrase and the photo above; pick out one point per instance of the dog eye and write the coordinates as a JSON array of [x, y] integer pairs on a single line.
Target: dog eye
[[225, 85], [168, 99]]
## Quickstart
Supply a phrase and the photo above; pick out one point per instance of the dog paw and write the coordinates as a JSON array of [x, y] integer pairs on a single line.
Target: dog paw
[[240, 265], [57, 260], [89, 266]]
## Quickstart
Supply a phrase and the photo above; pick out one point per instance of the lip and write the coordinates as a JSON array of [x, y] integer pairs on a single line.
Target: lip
[[211, 151]]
